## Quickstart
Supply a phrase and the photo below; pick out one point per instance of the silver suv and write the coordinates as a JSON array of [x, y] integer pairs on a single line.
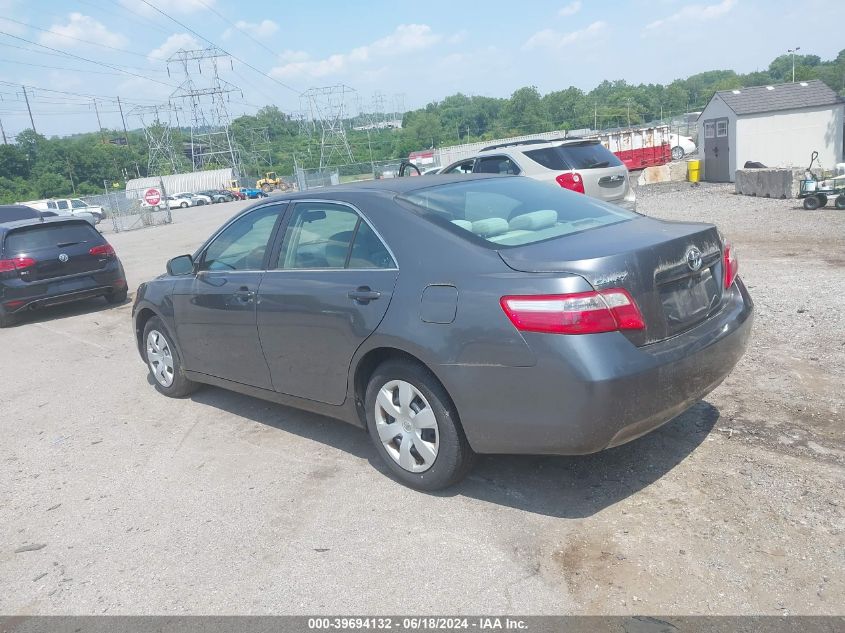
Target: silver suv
[[580, 165]]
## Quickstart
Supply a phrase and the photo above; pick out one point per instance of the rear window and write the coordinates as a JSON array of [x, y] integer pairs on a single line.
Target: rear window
[[574, 156], [512, 211], [46, 236]]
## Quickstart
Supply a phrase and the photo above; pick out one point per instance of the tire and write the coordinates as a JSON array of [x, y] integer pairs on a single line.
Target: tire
[[839, 203], [811, 203], [8, 320], [266, 188], [117, 297], [677, 152], [184, 205], [437, 454], [171, 383]]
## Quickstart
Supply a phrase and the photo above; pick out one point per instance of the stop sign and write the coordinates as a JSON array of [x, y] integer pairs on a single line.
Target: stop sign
[[152, 197]]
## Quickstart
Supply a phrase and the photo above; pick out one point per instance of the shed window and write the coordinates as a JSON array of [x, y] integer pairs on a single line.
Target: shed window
[[709, 130], [721, 128]]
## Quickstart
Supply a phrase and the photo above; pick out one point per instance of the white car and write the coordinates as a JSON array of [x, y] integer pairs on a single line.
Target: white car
[[197, 199], [681, 146], [67, 206]]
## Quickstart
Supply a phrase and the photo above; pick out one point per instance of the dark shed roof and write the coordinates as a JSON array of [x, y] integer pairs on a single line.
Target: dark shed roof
[[792, 96]]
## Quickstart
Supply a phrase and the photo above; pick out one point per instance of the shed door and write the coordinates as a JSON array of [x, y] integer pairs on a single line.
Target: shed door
[[717, 151]]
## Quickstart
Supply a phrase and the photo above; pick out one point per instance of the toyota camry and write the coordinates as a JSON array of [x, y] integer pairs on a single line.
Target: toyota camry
[[453, 316]]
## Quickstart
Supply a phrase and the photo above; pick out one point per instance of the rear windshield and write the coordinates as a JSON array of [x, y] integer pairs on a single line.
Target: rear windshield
[[46, 236], [589, 155], [513, 211]]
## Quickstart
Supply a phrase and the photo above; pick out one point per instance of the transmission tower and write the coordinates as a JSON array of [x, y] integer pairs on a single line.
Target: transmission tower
[[157, 121], [327, 109], [212, 144], [254, 148]]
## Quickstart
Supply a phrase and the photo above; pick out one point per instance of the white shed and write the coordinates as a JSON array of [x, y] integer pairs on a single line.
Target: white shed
[[777, 125]]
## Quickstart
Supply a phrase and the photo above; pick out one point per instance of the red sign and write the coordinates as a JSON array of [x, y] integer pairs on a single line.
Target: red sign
[[152, 197]]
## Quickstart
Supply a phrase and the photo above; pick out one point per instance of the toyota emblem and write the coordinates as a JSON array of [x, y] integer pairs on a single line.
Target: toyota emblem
[[63, 258], [694, 259]]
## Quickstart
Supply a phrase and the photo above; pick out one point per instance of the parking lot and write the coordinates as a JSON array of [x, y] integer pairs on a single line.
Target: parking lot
[[118, 500]]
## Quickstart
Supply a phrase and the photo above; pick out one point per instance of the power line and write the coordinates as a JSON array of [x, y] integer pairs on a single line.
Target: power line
[[75, 70], [66, 92], [62, 54], [70, 37], [85, 59], [236, 58], [235, 26]]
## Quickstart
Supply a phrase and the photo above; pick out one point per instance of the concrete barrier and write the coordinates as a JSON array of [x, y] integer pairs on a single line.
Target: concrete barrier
[[778, 182]]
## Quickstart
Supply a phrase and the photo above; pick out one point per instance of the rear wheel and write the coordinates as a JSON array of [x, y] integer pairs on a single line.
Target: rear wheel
[[184, 205], [677, 152], [415, 427], [839, 203], [164, 361], [811, 203]]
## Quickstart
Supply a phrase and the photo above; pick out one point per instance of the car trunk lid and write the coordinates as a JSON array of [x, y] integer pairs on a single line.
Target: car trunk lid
[[652, 259]]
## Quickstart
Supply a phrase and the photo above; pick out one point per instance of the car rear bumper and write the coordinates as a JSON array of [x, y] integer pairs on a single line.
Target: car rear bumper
[[22, 296], [588, 393]]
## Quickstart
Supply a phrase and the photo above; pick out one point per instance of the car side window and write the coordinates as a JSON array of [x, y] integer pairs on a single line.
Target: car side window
[[496, 165], [51, 205], [243, 244], [330, 236], [78, 204], [464, 167], [62, 204]]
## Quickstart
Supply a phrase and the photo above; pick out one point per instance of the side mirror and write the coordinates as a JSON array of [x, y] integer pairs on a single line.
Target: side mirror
[[182, 265]]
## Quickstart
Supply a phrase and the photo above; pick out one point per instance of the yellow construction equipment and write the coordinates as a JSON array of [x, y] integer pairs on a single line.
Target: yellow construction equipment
[[269, 182]]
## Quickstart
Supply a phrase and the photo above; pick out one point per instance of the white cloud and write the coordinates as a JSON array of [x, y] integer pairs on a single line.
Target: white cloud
[[570, 9], [81, 27], [696, 13], [458, 37], [265, 28], [549, 38], [405, 39], [170, 6], [174, 43]]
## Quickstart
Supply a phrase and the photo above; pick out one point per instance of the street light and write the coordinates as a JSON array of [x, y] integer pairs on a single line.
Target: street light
[[793, 51]]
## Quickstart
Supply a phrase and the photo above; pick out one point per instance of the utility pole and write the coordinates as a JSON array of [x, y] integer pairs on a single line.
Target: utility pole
[[125, 133], [4, 132], [31, 120], [99, 125], [595, 115], [793, 51]]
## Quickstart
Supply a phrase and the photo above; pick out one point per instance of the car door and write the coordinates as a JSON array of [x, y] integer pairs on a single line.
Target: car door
[[461, 167], [215, 309], [329, 289]]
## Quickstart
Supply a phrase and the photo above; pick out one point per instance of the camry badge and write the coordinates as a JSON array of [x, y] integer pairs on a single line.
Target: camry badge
[[63, 258], [694, 259]]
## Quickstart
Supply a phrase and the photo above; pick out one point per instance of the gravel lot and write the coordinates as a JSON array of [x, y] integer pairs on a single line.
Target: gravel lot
[[117, 500]]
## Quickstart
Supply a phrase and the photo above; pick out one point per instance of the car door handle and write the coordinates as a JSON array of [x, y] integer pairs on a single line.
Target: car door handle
[[363, 294], [244, 294]]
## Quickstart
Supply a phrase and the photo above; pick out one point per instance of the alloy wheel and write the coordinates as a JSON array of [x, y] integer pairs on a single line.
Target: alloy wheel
[[160, 358], [407, 426]]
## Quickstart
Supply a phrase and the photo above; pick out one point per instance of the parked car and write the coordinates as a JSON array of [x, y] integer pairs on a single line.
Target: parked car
[[17, 212], [583, 166], [68, 206], [218, 195], [197, 199], [547, 322], [182, 202], [253, 194], [50, 261], [681, 146]]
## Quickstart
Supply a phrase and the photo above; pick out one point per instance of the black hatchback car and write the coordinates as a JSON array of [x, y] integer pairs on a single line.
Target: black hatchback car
[[49, 261]]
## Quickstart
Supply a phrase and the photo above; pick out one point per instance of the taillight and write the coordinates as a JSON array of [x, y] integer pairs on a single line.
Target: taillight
[[578, 313], [16, 263], [103, 250], [571, 181], [730, 263]]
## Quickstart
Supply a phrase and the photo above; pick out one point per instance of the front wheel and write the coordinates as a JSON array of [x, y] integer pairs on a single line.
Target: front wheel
[[677, 152], [415, 427], [184, 205], [164, 361], [811, 203]]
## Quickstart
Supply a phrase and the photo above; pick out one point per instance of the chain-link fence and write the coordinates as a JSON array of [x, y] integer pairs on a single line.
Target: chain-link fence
[[135, 208], [354, 172]]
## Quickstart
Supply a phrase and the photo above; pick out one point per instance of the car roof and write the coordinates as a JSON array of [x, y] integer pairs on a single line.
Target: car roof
[[5, 227], [386, 185], [536, 144]]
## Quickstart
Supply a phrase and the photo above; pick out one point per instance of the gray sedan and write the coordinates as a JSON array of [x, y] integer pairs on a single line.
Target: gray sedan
[[453, 316]]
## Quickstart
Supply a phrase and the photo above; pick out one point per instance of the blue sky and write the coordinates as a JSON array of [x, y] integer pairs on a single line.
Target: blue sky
[[422, 50]]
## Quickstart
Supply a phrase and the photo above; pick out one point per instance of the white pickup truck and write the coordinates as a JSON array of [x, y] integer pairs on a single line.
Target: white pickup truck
[[68, 206]]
